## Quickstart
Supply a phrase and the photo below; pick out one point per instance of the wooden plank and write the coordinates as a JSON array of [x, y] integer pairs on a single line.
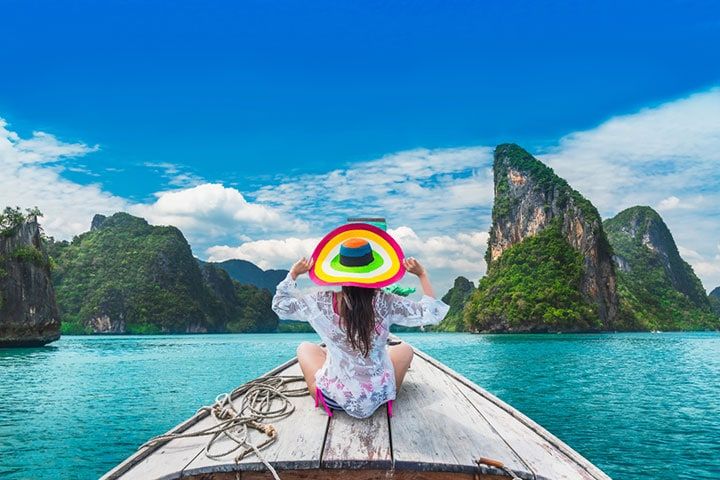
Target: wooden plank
[[299, 443], [166, 461], [358, 443], [434, 427], [542, 450]]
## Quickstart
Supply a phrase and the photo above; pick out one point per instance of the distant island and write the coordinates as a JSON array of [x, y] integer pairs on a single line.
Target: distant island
[[553, 266]]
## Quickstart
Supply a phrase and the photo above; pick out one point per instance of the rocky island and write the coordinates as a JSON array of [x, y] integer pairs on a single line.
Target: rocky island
[[28, 312], [127, 276], [549, 262], [456, 298]]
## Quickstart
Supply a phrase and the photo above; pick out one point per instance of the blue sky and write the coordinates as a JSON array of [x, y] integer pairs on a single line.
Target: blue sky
[[203, 113]]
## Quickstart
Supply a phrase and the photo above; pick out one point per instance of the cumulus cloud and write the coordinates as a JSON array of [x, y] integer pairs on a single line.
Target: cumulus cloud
[[668, 203], [273, 253], [31, 176], [429, 189], [212, 211]]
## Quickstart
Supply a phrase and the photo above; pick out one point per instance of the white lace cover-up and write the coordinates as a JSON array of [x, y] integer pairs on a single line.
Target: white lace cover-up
[[358, 384]]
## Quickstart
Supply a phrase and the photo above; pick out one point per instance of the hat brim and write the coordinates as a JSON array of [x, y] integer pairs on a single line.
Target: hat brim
[[386, 268]]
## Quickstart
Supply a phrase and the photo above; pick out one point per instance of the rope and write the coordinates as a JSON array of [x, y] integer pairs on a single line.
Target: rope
[[265, 398]]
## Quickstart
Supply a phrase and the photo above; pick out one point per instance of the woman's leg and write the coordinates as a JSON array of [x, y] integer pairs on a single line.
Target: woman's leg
[[401, 356], [310, 357]]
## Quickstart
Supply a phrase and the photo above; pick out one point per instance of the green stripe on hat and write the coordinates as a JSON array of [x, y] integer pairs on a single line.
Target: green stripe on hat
[[374, 265]]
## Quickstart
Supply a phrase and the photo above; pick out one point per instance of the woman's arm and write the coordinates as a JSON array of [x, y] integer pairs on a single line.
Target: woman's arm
[[287, 302], [428, 311], [416, 268]]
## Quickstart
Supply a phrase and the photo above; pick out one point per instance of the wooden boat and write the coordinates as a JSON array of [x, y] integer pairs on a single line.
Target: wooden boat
[[442, 425]]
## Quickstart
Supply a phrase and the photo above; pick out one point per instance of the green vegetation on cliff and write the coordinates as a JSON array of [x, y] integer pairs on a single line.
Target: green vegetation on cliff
[[456, 298], [658, 289], [126, 276], [533, 287], [714, 299]]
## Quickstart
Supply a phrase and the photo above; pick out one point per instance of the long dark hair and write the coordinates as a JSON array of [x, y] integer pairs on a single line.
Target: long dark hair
[[358, 314]]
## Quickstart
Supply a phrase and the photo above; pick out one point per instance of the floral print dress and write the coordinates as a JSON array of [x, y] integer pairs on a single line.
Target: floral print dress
[[358, 384]]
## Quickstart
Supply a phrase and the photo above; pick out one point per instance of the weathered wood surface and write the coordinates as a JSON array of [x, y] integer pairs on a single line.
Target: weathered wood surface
[[298, 446], [167, 461], [353, 443], [442, 425], [436, 427]]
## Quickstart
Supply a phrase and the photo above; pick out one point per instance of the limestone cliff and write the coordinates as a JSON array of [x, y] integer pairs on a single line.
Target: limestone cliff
[[569, 253], [658, 289], [28, 313]]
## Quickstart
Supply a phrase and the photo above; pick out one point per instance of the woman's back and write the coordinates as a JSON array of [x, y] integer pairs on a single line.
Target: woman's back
[[358, 383]]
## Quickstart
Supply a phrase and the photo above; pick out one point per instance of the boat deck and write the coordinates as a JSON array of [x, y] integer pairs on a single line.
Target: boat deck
[[441, 425]]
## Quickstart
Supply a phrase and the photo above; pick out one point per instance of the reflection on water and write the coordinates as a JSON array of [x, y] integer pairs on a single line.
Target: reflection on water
[[634, 404]]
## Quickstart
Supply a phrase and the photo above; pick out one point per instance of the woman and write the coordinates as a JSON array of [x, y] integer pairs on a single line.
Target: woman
[[356, 371]]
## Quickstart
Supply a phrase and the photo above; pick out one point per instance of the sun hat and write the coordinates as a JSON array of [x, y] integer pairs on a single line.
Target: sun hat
[[357, 255]]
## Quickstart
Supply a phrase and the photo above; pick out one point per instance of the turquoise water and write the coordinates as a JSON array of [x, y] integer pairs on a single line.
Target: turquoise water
[[637, 405]]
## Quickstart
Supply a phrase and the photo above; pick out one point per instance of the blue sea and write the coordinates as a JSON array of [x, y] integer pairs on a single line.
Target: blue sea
[[640, 406]]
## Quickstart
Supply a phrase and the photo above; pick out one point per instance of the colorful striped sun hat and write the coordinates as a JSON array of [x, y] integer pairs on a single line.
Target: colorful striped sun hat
[[358, 255]]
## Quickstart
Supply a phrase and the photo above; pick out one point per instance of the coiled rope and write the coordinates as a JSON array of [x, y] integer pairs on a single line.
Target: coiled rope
[[263, 399]]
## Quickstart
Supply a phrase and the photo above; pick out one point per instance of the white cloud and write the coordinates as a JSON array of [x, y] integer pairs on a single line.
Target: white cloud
[[275, 253], [668, 203], [212, 210], [31, 177], [705, 267], [175, 174], [647, 156], [429, 189], [689, 254]]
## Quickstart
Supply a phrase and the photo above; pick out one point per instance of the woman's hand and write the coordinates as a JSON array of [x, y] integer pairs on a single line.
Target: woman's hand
[[413, 266], [416, 268], [301, 266]]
